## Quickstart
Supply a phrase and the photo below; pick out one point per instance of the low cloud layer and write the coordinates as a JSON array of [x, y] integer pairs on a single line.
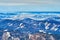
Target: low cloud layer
[[29, 5]]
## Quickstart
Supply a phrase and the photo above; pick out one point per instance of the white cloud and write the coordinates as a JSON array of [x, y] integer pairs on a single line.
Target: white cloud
[[29, 5], [29, 2], [12, 4]]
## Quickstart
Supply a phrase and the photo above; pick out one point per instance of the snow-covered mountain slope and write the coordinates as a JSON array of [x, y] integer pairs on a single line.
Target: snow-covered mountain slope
[[49, 26]]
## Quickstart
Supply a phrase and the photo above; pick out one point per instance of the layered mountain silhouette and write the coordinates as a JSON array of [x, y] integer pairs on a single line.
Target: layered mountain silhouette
[[30, 25]]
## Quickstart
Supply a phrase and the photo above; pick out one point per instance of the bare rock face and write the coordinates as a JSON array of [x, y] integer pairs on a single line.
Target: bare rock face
[[41, 37], [36, 36], [5, 36]]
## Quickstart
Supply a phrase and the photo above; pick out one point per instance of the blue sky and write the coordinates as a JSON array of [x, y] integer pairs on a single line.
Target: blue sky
[[29, 5]]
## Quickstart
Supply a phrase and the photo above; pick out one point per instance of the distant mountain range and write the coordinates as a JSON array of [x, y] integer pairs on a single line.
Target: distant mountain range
[[31, 23], [28, 25]]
